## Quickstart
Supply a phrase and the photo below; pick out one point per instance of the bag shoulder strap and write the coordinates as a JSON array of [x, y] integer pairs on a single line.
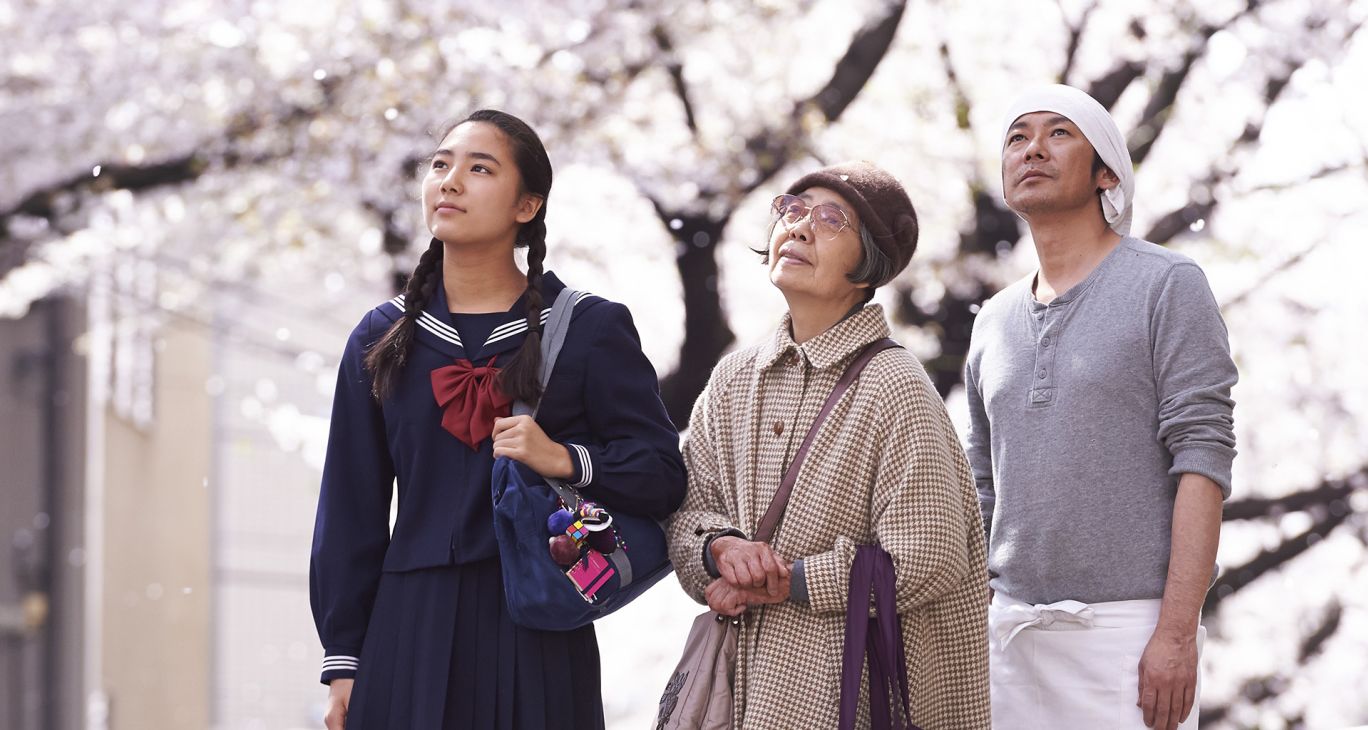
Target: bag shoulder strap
[[553, 339], [876, 642], [770, 522]]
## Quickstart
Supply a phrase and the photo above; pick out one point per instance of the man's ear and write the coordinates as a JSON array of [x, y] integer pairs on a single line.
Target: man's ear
[[528, 207], [1106, 179]]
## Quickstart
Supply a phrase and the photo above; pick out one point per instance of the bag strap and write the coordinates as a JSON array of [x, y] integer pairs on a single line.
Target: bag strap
[[553, 339], [770, 522], [872, 570]]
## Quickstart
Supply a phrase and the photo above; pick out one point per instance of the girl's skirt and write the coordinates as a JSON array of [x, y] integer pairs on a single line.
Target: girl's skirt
[[442, 652]]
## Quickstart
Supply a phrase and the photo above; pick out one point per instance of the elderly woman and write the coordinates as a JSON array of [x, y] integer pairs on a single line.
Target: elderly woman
[[886, 468]]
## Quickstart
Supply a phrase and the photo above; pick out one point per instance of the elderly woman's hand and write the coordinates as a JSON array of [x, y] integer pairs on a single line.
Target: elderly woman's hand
[[725, 599], [750, 565], [729, 600]]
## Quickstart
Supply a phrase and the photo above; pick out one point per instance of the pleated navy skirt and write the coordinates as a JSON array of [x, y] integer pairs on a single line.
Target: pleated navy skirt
[[442, 652]]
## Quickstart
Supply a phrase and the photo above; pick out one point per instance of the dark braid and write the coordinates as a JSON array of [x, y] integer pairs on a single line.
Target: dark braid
[[387, 357], [522, 377]]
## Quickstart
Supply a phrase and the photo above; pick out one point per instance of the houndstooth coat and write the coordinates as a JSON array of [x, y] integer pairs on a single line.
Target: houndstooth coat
[[886, 468]]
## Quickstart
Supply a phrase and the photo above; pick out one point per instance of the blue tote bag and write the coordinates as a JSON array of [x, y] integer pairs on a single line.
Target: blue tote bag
[[541, 593]]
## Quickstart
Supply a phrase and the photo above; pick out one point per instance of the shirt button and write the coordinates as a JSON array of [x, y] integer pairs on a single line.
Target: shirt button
[[1045, 342], [778, 428], [1041, 374], [793, 358]]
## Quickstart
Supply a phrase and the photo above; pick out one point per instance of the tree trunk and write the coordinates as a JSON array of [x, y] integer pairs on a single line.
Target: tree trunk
[[706, 334]]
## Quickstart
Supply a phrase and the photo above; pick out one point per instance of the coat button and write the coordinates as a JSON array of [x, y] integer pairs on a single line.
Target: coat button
[[778, 428]]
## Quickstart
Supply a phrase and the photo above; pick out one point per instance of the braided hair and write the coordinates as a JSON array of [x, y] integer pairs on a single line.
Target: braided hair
[[521, 377]]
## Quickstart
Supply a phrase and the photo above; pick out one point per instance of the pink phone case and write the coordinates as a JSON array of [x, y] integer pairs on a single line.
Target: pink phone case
[[590, 574]]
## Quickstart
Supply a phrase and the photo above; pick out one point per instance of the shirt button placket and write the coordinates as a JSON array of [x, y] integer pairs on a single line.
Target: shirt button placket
[[1043, 385]]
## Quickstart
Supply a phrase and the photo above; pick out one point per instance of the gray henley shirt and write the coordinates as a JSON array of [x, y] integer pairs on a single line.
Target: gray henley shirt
[[1083, 415]]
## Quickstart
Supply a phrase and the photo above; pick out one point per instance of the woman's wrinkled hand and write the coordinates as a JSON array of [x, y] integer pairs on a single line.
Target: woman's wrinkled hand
[[729, 600], [750, 565]]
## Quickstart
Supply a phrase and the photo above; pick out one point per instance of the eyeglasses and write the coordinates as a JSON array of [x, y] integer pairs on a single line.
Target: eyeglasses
[[827, 220]]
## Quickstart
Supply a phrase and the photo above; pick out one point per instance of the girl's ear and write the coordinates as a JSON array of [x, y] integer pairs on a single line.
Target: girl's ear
[[528, 206]]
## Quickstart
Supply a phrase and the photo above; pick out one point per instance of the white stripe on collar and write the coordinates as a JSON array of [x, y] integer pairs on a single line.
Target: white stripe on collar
[[504, 331], [430, 323], [518, 327]]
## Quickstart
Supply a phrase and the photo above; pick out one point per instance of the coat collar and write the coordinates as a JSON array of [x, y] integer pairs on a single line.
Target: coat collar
[[830, 348], [435, 330]]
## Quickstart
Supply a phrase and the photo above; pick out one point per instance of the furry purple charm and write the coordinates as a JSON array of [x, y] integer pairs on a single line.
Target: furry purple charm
[[558, 521]]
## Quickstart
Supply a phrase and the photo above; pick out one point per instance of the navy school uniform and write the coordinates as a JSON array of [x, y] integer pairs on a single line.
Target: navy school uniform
[[419, 618]]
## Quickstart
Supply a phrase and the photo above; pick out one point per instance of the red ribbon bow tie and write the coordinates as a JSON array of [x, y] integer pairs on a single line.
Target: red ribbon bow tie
[[471, 399]]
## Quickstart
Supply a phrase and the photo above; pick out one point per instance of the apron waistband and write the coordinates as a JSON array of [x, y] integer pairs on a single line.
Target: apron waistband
[[1010, 616]]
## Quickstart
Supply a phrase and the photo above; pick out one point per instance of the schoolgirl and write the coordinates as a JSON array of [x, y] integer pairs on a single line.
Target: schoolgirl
[[414, 623]]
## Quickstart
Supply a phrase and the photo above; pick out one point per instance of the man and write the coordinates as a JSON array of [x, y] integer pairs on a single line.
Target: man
[[1101, 440]]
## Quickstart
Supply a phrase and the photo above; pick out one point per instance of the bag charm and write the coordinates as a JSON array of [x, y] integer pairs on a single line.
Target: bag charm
[[578, 543], [590, 573]]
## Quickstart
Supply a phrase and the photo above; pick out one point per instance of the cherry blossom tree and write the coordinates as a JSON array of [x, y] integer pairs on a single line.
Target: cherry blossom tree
[[222, 143]]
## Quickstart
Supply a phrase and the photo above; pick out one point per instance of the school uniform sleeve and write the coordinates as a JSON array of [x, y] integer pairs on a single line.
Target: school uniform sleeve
[[704, 515], [1194, 373], [980, 443], [351, 531], [632, 461], [922, 506]]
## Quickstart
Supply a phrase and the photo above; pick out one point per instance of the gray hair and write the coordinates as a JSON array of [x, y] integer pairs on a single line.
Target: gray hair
[[875, 268]]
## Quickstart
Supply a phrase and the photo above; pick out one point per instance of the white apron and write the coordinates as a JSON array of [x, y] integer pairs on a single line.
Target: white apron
[[1070, 665]]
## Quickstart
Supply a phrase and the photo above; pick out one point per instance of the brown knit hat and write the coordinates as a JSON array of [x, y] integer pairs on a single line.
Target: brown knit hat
[[881, 202]]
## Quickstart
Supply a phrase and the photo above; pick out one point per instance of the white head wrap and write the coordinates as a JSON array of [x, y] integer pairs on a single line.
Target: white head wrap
[[1100, 130]]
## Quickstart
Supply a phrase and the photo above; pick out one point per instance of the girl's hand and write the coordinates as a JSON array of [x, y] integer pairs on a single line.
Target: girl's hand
[[521, 439], [339, 698]]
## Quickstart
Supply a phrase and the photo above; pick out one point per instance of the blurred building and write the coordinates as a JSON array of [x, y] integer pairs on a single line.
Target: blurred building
[[105, 572], [156, 508], [42, 508]]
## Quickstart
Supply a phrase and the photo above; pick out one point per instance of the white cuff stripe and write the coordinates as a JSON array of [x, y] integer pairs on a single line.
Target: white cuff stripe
[[331, 663], [586, 466]]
